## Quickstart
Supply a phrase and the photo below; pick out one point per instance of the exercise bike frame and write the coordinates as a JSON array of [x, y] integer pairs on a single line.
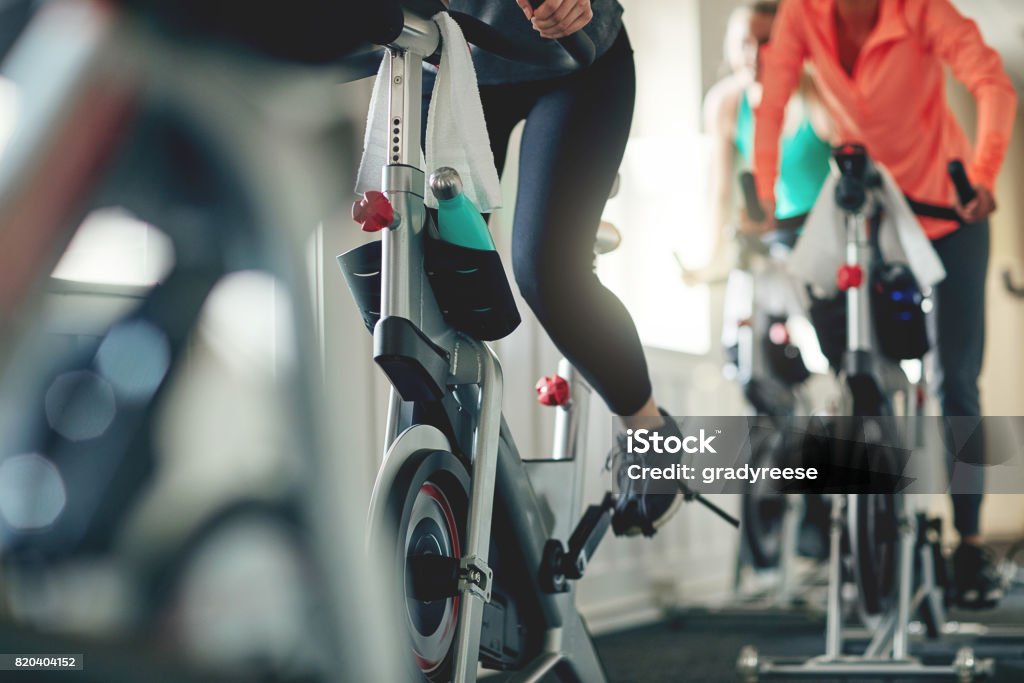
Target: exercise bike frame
[[472, 374], [762, 267], [875, 383]]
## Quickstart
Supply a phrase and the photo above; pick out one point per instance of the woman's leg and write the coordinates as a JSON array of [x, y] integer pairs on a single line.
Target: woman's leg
[[960, 341], [573, 143], [572, 147], [959, 338]]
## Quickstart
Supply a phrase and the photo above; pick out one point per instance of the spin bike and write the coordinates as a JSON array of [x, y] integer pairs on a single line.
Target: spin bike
[[464, 521], [892, 552], [770, 369], [482, 541], [760, 298]]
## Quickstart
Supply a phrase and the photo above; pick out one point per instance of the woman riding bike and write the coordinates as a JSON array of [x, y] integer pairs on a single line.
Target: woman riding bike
[[729, 119], [879, 65], [577, 124]]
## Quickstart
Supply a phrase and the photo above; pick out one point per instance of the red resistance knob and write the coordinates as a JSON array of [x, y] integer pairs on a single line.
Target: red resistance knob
[[553, 391], [778, 334], [374, 212], [849, 277]]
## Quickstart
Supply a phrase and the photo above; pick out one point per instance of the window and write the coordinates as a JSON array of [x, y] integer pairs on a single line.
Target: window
[[661, 208], [113, 248]]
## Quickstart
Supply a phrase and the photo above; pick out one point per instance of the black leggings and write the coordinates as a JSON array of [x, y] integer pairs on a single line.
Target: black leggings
[[573, 142]]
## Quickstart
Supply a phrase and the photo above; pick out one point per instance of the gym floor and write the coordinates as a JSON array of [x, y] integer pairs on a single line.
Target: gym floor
[[704, 647]]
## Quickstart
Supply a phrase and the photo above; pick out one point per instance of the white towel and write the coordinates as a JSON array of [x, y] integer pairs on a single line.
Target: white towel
[[822, 247], [456, 132]]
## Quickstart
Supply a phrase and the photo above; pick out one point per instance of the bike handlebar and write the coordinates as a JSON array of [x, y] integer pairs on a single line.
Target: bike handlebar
[[329, 32], [965, 192], [487, 38], [579, 45], [784, 233], [750, 198]]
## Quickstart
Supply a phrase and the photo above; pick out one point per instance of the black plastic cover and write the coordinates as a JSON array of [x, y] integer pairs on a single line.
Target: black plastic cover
[[361, 268], [472, 289], [416, 367], [306, 31]]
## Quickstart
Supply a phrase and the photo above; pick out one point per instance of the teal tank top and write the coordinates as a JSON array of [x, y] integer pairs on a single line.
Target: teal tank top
[[804, 163]]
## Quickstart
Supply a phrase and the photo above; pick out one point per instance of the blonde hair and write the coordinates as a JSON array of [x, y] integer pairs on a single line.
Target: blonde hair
[[739, 25]]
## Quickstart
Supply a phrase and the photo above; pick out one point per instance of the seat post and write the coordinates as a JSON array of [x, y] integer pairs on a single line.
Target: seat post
[[404, 106], [402, 179], [419, 39]]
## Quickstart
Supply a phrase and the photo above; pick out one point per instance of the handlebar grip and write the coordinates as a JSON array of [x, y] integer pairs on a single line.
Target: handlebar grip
[[750, 198], [579, 45], [964, 190]]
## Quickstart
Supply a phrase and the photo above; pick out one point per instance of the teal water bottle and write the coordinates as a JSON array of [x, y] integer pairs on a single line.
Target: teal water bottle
[[458, 220]]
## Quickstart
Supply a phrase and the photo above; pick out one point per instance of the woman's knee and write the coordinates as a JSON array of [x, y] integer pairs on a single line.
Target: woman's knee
[[959, 394], [546, 287]]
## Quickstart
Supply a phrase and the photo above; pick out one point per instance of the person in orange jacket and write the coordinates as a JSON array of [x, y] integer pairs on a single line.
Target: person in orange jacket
[[879, 66]]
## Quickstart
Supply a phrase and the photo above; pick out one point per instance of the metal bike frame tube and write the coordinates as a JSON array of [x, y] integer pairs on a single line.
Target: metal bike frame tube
[[405, 291], [881, 641], [539, 668], [745, 334], [901, 635], [391, 426], [481, 511], [852, 668], [834, 623], [404, 107], [570, 418], [794, 509], [419, 35], [758, 330], [745, 353], [399, 184], [929, 585], [858, 309]]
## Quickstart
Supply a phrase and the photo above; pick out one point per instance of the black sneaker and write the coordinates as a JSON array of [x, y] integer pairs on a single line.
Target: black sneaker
[[976, 577], [638, 511]]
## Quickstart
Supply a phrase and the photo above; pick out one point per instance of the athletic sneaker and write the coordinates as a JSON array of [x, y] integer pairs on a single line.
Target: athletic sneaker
[[639, 511], [978, 582]]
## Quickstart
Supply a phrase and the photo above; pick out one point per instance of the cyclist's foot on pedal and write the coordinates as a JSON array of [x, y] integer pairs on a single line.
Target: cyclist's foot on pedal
[[639, 511], [977, 579]]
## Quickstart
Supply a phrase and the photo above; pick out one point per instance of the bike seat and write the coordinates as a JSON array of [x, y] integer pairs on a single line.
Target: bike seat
[[608, 238], [317, 32], [424, 8]]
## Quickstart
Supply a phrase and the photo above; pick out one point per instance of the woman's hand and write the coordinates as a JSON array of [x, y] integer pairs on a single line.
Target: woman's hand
[[980, 208], [749, 226], [558, 18]]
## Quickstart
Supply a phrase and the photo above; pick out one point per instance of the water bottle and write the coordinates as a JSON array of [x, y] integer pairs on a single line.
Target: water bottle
[[459, 221]]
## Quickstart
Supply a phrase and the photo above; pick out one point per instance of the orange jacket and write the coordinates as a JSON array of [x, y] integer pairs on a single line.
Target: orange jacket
[[895, 102]]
